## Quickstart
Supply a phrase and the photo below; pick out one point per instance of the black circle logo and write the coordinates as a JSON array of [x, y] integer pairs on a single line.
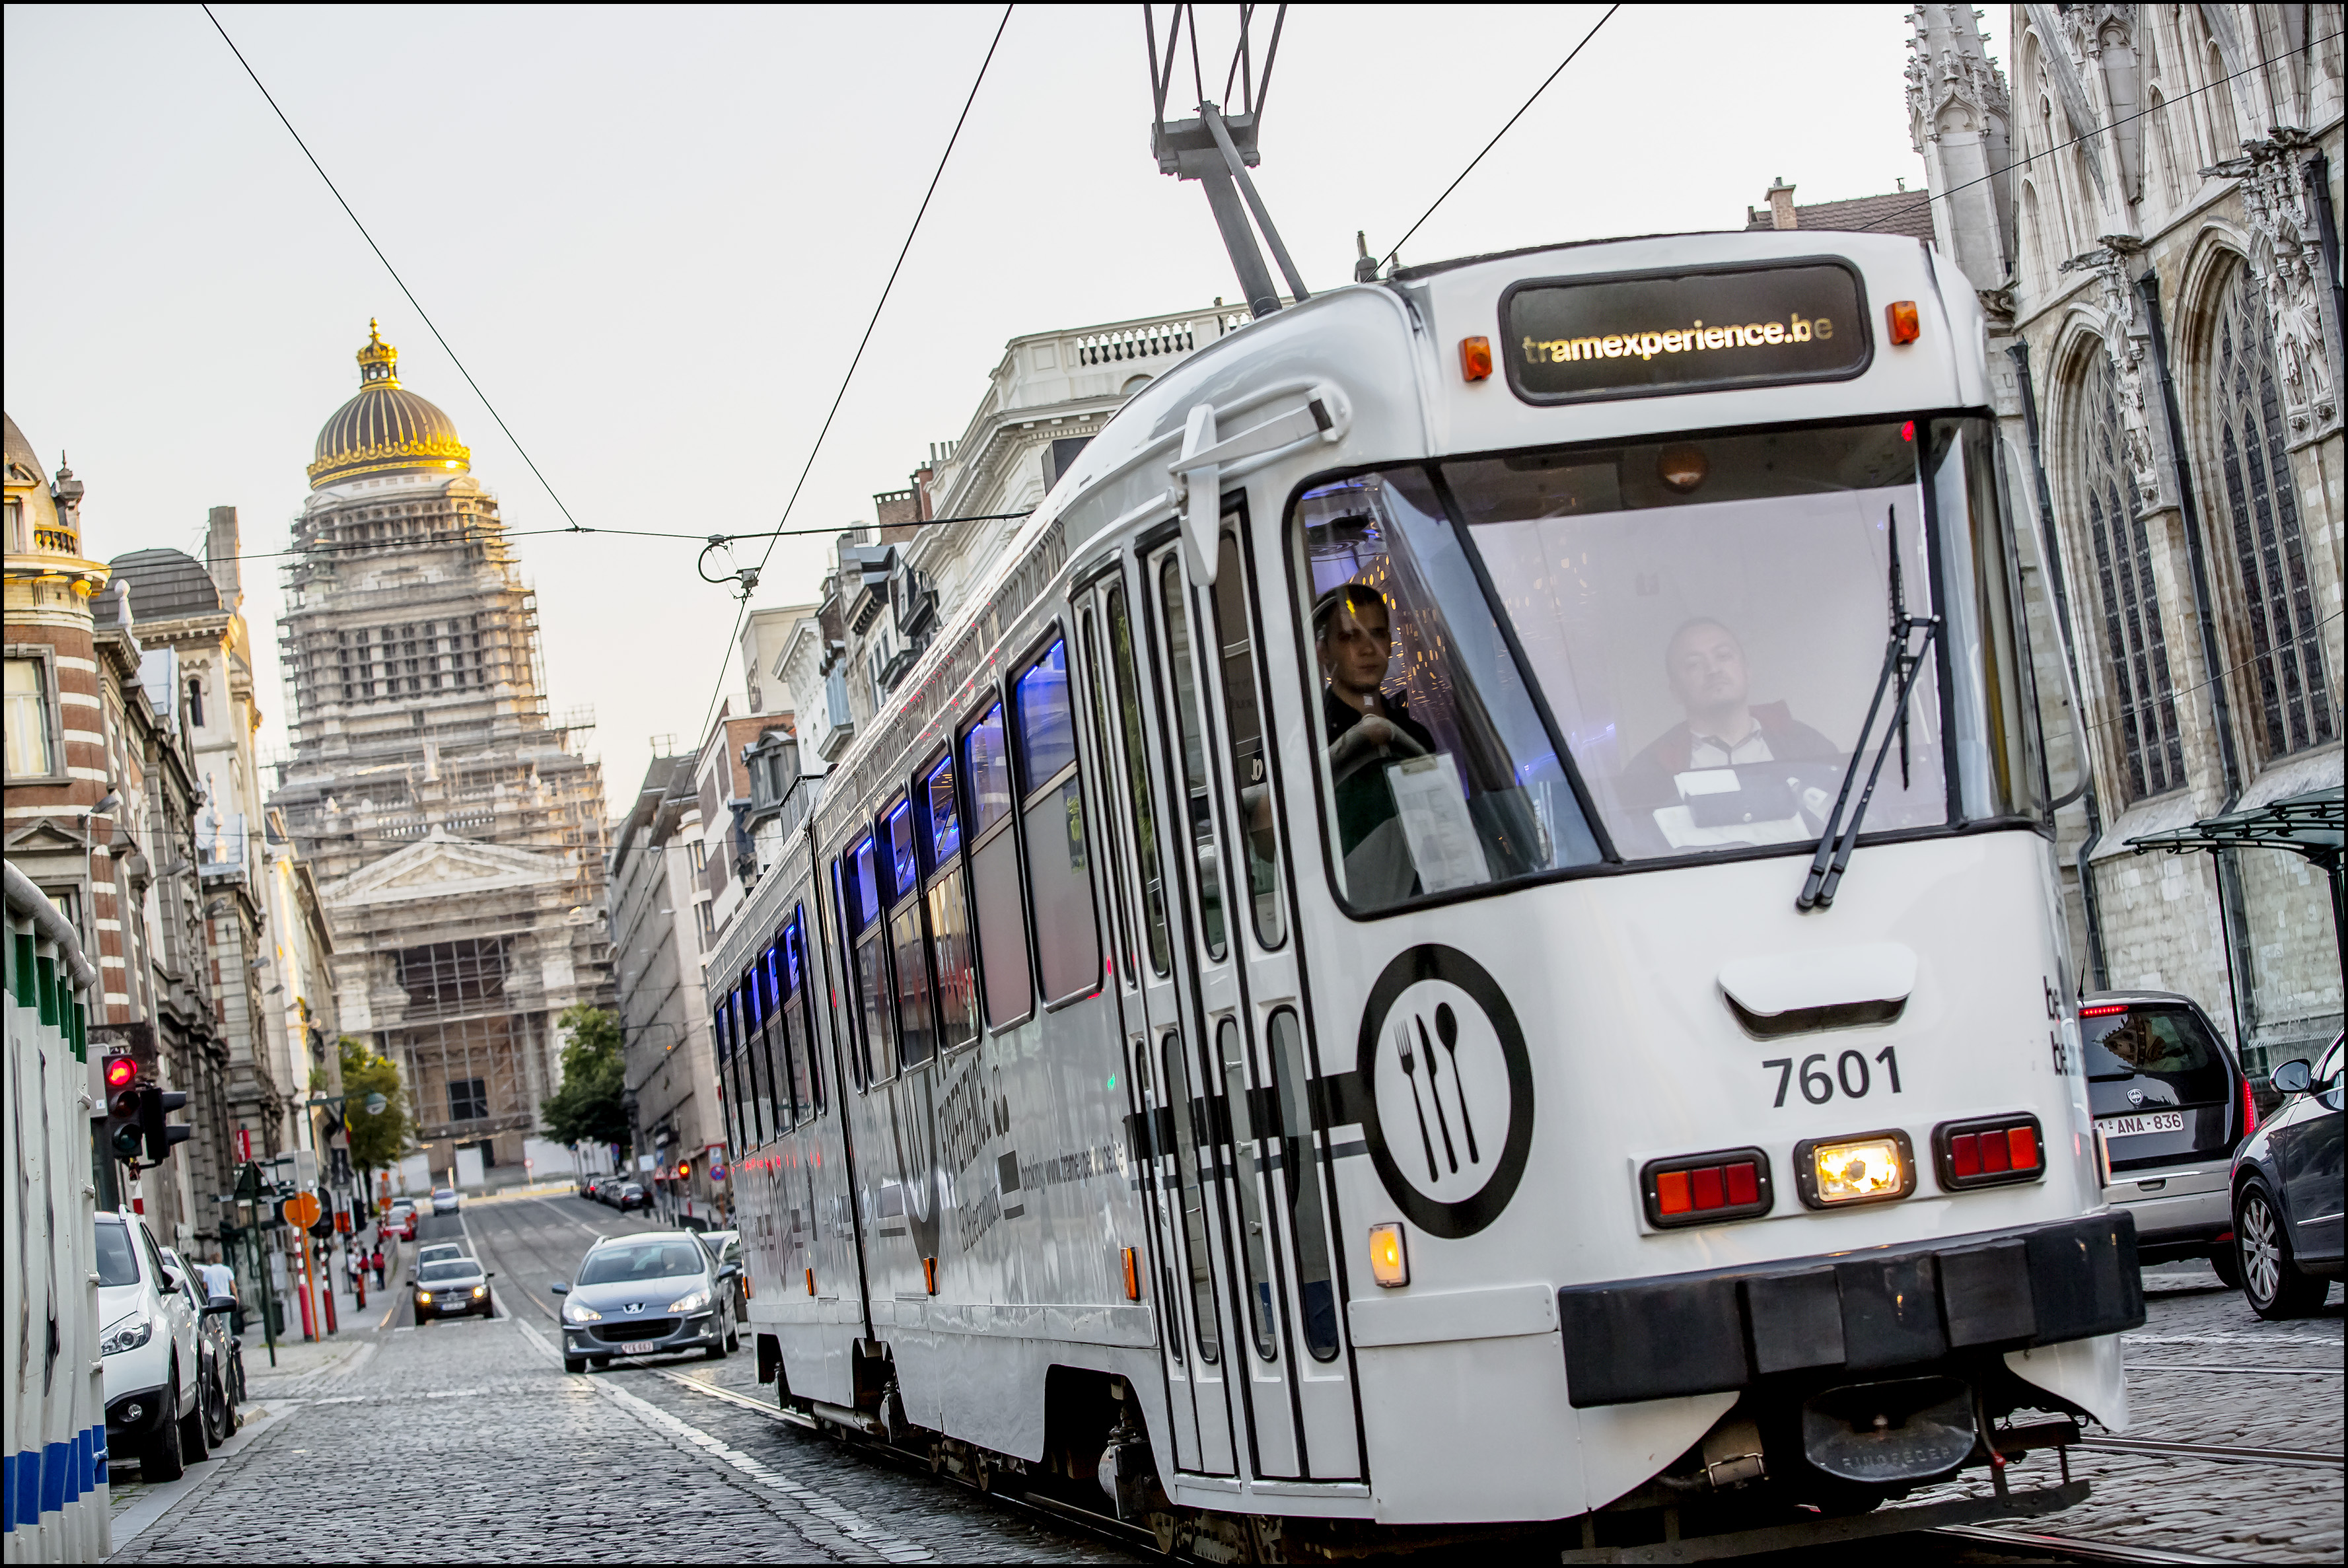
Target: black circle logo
[[1447, 1091]]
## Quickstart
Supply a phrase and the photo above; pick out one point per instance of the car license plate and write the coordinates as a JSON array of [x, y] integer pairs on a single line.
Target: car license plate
[[2151, 1121], [637, 1348]]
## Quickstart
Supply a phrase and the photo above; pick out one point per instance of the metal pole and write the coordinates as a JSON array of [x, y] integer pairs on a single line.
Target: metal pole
[[1237, 167], [1255, 280]]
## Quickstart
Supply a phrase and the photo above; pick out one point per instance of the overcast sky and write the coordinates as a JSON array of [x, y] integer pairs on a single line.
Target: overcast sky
[[654, 235]]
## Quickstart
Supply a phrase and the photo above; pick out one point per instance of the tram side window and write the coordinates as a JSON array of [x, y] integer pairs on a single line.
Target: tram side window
[[1189, 1145], [1094, 676], [844, 1010], [994, 873], [1059, 873], [950, 946], [915, 1033], [756, 1073], [1136, 781], [807, 1063], [745, 1130], [1197, 808], [1437, 771], [722, 1047], [1250, 766], [876, 1021], [784, 1047]]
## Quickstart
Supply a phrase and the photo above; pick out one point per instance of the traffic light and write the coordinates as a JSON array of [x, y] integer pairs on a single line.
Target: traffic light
[[154, 1105], [124, 1133]]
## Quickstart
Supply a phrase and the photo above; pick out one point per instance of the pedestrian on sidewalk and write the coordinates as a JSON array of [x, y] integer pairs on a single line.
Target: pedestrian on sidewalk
[[376, 1260]]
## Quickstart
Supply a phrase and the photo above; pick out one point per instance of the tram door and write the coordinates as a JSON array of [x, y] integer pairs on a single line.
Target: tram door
[[1150, 952], [1245, 1057]]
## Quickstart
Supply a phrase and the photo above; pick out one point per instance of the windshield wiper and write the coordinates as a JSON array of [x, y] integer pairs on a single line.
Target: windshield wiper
[[1899, 664]]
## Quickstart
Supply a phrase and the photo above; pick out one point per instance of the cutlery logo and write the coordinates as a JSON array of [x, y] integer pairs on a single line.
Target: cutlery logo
[[1448, 1112]]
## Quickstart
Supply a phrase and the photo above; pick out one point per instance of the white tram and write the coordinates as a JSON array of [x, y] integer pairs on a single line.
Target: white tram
[[1300, 1019]]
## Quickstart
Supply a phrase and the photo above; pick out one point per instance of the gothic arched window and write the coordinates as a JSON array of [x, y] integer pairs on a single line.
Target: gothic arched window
[[2144, 724], [2260, 508]]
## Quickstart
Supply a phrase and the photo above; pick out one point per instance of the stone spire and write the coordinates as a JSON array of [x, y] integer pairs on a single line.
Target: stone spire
[[1958, 115]]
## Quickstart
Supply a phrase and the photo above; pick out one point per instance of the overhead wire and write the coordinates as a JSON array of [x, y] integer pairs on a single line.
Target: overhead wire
[[1529, 103], [361, 546], [750, 583], [421, 312]]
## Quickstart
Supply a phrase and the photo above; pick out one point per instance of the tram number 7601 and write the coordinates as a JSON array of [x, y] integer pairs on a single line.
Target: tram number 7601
[[1851, 1074]]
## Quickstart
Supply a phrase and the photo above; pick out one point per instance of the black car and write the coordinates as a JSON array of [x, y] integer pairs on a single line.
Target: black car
[[2170, 1105], [451, 1287], [2286, 1194]]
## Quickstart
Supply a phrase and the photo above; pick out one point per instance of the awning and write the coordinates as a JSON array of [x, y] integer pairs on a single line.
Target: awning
[[2311, 825], [2308, 824]]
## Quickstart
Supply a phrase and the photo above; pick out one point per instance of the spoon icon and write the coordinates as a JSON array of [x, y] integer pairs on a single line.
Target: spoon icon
[[1447, 1030]]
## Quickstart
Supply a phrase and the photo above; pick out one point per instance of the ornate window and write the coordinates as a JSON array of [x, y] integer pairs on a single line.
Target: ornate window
[[2294, 707], [2144, 723]]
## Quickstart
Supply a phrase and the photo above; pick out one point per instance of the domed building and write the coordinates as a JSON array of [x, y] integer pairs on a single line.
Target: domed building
[[457, 831]]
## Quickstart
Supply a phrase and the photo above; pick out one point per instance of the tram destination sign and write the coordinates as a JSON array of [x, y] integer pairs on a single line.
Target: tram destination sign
[[1640, 334]]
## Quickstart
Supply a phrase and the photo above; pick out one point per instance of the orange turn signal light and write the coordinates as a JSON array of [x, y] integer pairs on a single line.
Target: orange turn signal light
[[1389, 1264], [930, 1274], [1900, 316], [1475, 359], [1133, 1274], [810, 1274]]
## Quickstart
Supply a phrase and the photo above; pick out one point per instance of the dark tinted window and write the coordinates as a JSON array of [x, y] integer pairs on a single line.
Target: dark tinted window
[[118, 1263], [2168, 1044], [863, 892], [944, 823], [905, 872]]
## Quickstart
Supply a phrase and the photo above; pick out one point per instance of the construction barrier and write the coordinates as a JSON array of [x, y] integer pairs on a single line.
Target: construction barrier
[[55, 1489]]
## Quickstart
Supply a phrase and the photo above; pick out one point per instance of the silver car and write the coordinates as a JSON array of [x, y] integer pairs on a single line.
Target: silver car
[[656, 1293]]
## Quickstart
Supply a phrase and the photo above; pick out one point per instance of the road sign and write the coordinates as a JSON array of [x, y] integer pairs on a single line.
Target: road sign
[[377, 1105], [302, 1209], [245, 1143]]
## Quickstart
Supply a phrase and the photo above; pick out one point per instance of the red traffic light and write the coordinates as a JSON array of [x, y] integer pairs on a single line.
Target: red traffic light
[[121, 1072]]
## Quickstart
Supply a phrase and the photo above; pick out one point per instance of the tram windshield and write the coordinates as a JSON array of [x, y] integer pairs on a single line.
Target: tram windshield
[[1704, 621]]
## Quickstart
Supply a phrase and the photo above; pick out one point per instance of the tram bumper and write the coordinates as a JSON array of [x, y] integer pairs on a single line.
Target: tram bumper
[[1867, 1311]]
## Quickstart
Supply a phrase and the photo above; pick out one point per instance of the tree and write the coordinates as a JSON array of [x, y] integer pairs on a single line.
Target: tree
[[589, 1107], [378, 1139]]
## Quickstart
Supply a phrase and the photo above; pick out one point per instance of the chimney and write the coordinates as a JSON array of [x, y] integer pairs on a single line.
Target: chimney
[[1781, 205], [220, 558]]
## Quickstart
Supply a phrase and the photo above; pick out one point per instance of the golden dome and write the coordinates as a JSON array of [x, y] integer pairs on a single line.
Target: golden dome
[[385, 430]]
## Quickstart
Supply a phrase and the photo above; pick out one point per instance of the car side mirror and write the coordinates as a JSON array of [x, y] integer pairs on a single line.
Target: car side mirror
[[729, 1272], [492, 1273], [2294, 1078], [221, 1306], [411, 1279], [560, 1288]]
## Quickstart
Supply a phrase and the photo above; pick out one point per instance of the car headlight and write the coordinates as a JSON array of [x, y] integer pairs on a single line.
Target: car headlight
[[423, 1298], [480, 1290], [693, 1303], [127, 1335], [580, 1312]]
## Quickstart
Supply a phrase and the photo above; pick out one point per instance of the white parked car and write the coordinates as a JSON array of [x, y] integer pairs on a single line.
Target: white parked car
[[147, 1348]]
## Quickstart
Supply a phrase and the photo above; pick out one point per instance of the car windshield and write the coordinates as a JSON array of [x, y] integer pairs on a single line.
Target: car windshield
[[118, 1261], [631, 1260], [447, 1269], [1702, 623]]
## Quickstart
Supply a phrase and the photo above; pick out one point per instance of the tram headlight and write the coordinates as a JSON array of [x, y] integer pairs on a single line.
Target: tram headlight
[[1389, 1264], [1867, 1168]]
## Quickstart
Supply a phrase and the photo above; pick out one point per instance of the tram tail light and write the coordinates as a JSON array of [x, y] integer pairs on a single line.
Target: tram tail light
[[1132, 1274], [1389, 1264], [1989, 1152], [1864, 1168], [1900, 316], [1704, 1189], [1475, 359]]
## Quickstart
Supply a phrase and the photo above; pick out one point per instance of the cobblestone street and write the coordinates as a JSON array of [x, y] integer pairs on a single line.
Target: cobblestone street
[[466, 1441]]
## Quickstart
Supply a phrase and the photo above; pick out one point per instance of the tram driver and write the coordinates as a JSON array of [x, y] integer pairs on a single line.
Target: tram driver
[[1723, 727], [1353, 638]]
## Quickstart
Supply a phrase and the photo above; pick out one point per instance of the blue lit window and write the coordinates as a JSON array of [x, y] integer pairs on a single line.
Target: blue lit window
[[987, 765], [944, 821], [1047, 733], [902, 864], [864, 892]]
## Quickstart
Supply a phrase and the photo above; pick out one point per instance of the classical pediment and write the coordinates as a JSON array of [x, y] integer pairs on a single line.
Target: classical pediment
[[43, 835], [441, 866]]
